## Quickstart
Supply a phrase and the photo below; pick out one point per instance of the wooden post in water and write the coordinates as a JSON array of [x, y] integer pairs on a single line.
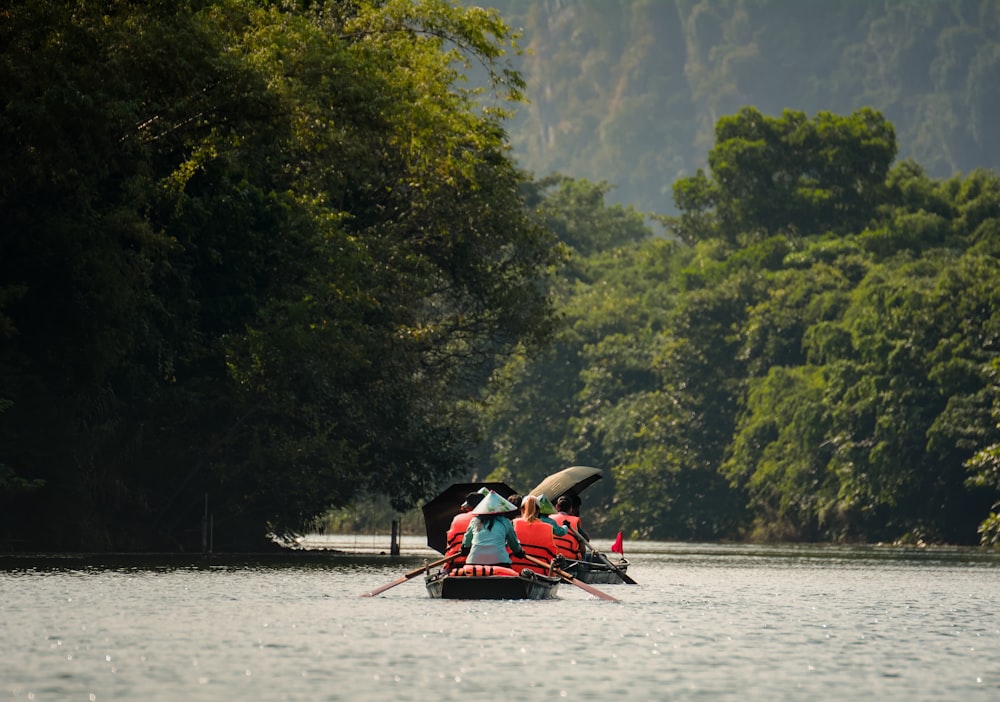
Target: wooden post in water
[[204, 528], [394, 539]]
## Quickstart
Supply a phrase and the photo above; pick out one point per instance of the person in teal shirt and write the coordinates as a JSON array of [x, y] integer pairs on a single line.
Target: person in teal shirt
[[490, 533]]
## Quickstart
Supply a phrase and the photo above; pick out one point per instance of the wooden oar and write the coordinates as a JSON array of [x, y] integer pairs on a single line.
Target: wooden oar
[[621, 573], [573, 581], [411, 574]]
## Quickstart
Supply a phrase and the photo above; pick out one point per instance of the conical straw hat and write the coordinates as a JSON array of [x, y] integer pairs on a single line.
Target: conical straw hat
[[472, 499], [494, 504], [545, 506]]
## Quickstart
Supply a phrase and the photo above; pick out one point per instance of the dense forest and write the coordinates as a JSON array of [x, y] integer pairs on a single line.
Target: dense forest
[[812, 356], [260, 260], [629, 91]]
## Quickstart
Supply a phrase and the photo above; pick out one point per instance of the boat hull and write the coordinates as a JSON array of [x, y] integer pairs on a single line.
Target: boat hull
[[526, 586], [594, 573]]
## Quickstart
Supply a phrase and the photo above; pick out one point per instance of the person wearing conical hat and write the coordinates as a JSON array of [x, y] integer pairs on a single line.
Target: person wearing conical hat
[[545, 510], [460, 522], [490, 533]]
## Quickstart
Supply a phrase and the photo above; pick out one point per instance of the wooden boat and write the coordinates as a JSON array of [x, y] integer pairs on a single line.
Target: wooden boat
[[597, 573], [490, 583]]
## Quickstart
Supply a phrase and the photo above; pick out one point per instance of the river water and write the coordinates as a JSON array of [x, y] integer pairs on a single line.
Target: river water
[[705, 622]]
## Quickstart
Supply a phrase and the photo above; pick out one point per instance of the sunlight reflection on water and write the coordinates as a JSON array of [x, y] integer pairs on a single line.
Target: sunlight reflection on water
[[706, 622]]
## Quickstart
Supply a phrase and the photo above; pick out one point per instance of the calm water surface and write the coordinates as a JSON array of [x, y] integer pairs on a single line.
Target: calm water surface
[[706, 622]]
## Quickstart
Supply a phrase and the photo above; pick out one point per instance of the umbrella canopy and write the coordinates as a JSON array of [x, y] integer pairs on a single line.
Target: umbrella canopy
[[574, 478], [439, 512]]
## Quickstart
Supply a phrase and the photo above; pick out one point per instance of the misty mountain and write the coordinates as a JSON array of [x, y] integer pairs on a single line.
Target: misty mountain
[[629, 91]]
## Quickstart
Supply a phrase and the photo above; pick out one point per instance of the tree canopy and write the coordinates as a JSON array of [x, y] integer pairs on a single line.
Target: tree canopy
[[262, 254], [772, 175]]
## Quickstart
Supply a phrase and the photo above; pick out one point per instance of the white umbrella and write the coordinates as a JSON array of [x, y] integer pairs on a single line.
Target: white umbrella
[[574, 478]]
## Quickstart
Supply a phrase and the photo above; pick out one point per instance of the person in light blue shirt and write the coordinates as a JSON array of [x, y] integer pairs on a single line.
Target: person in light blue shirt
[[490, 533]]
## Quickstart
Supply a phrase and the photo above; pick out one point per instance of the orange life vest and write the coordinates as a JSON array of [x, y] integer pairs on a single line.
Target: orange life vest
[[471, 570], [456, 532], [536, 540], [567, 545]]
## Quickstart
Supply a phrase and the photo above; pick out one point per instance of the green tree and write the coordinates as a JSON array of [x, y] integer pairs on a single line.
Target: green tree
[[861, 436], [984, 467], [285, 244], [787, 175], [778, 457]]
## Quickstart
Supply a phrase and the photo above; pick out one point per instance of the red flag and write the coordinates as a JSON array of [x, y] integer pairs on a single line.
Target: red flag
[[616, 547]]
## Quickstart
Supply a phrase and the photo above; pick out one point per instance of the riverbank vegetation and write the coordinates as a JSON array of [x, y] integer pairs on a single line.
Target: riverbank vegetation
[[813, 356], [264, 260]]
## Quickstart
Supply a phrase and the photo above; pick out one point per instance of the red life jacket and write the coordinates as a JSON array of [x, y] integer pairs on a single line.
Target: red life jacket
[[567, 545], [471, 570], [456, 532], [536, 540]]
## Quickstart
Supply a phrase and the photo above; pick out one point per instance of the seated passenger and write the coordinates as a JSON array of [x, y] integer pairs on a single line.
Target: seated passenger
[[459, 523], [490, 533], [567, 545], [535, 537]]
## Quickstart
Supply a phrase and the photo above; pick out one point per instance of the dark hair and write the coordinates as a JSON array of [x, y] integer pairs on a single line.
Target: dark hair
[[564, 503], [472, 499], [515, 500], [487, 520]]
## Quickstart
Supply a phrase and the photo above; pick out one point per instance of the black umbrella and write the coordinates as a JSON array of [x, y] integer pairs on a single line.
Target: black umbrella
[[574, 478], [439, 512]]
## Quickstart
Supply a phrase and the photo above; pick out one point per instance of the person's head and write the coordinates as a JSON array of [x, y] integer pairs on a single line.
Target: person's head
[[575, 510], [565, 504], [491, 508], [516, 501], [471, 500], [493, 504], [529, 508]]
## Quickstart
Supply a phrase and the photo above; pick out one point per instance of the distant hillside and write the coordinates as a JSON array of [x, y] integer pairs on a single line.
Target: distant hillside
[[629, 92]]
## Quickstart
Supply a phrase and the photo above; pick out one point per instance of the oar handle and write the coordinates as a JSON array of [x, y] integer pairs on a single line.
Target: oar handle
[[440, 561], [550, 567]]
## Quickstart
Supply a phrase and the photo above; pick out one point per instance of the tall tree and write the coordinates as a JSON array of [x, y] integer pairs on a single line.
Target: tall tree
[[773, 175]]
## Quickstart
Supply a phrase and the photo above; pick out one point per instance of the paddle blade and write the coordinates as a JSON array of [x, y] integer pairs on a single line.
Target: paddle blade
[[385, 587], [593, 590]]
